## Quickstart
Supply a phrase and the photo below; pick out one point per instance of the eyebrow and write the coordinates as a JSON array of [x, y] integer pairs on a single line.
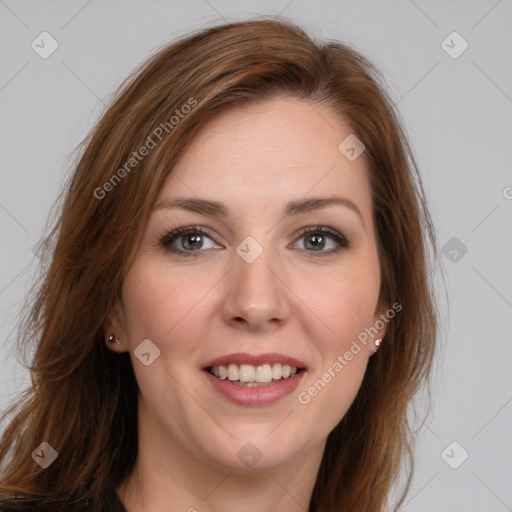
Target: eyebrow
[[297, 207]]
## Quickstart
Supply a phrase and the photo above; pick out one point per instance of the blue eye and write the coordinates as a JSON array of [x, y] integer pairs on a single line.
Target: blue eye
[[322, 240], [192, 240], [187, 239]]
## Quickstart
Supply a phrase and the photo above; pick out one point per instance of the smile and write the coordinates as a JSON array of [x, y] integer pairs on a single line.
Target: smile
[[252, 376], [254, 380]]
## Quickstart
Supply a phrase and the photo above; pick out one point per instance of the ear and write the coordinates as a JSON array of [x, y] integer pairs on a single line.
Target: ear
[[113, 326], [378, 330]]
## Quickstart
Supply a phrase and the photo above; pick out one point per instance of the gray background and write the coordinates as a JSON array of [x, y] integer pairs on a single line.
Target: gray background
[[457, 111]]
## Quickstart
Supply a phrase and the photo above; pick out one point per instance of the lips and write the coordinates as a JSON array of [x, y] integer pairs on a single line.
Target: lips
[[255, 360], [254, 380]]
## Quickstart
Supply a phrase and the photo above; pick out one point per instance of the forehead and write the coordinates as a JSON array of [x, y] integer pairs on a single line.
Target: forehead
[[270, 151]]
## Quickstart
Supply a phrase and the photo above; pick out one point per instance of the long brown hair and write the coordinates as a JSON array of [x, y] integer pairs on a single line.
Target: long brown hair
[[83, 398]]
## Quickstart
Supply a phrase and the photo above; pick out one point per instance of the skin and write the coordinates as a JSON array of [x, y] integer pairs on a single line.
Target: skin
[[254, 159]]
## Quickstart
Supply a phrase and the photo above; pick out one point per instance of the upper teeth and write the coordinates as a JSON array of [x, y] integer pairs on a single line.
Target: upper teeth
[[249, 373]]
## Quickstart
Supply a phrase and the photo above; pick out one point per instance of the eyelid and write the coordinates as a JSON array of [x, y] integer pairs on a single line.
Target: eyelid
[[340, 239], [172, 235]]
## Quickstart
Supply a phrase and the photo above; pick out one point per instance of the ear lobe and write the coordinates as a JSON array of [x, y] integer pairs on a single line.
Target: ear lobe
[[380, 322], [110, 323], [114, 334]]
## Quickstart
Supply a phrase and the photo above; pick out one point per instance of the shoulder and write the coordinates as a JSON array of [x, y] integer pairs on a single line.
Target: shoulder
[[110, 501], [22, 506], [26, 507]]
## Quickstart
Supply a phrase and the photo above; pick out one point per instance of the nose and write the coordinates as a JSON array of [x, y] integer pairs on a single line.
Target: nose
[[257, 297]]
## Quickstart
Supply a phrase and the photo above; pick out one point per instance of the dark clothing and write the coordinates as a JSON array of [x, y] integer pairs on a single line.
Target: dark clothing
[[112, 504]]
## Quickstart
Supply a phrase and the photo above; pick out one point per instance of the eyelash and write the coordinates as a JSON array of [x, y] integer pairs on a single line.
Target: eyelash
[[340, 240]]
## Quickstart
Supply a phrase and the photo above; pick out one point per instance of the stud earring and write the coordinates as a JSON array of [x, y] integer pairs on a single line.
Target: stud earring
[[377, 343], [113, 339]]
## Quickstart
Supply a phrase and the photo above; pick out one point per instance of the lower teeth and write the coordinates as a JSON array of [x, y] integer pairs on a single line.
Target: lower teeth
[[255, 384], [252, 384]]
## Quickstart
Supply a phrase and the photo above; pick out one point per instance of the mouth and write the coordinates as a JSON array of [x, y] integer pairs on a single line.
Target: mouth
[[252, 376], [251, 380]]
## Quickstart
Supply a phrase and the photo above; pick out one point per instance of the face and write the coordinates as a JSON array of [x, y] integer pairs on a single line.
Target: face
[[259, 261]]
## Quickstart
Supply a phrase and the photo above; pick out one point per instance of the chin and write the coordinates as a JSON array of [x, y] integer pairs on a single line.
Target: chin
[[256, 448]]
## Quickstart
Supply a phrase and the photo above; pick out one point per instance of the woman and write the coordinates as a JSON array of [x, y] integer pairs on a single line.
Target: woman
[[244, 230]]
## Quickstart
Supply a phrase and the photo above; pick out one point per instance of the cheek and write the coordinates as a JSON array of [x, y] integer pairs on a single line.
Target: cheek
[[346, 309], [159, 304], [157, 299], [344, 302], [346, 305]]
